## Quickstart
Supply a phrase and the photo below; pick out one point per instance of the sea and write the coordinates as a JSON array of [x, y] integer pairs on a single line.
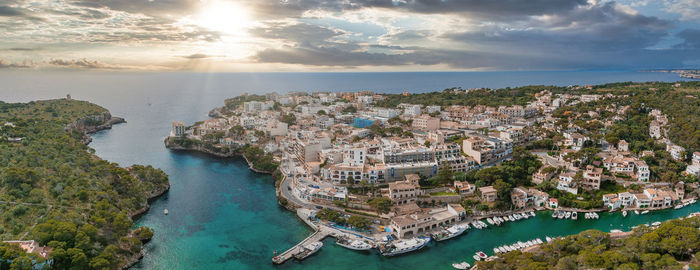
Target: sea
[[222, 215]]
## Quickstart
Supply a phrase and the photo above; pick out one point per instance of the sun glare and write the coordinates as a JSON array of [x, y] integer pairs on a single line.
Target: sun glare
[[223, 16]]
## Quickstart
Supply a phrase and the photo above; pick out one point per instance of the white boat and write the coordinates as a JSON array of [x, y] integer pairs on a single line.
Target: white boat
[[636, 212], [489, 220], [512, 217], [483, 224], [594, 215], [587, 215], [656, 223], [500, 219], [449, 233], [678, 206], [561, 214], [555, 214], [645, 212], [548, 239], [574, 216], [476, 225], [502, 249], [353, 244], [462, 265], [476, 258], [615, 231], [532, 213], [404, 246], [165, 211], [308, 250], [481, 254], [624, 213], [539, 241], [568, 215], [496, 251]]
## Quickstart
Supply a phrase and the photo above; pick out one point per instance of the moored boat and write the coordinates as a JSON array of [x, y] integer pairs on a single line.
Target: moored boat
[[624, 213], [462, 265], [308, 250], [574, 216], [555, 214], [404, 246], [476, 257], [567, 215], [481, 254], [449, 233], [353, 244], [645, 212], [636, 212]]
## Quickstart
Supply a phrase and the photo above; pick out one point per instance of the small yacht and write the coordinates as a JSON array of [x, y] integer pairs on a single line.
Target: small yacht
[[678, 206], [636, 212], [502, 249], [656, 223], [587, 215], [308, 250], [462, 265], [554, 214], [532, 213], [561, 214], [449, 233], [548, 239], [624, 213], [568, 215], [512, 218], [476, 258], [404, 246], [496, 251], [353, 244], [481, 254], [165, 211], [645, 212], [489, 220], [615, 231], [574, 216], [539, 241]]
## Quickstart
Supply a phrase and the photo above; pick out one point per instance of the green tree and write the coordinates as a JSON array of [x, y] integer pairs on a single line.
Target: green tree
[[381, 204]]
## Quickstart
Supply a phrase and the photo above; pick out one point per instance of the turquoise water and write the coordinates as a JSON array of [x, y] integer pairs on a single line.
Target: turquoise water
[[221, 215]]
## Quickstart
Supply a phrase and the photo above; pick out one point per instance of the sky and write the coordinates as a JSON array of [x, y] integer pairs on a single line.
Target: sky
[[348, 35]]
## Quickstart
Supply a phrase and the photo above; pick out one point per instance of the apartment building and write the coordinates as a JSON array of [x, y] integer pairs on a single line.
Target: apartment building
[[426, 123], [486, 150]]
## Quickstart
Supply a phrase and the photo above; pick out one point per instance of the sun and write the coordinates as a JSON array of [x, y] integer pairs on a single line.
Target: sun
[[223, 16]]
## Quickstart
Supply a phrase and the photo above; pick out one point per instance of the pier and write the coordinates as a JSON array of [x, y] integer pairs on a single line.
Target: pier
[[288, 254]]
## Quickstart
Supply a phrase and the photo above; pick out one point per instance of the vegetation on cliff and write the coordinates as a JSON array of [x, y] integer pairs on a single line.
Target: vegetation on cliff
[[666, 247], [81, 205]]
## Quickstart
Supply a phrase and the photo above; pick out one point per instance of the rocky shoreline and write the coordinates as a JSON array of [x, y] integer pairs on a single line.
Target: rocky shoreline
[[87, 126], [230, 154]]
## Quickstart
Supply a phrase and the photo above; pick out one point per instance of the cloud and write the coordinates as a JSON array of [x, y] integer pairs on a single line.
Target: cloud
[[25, 64], [688, 9], [82, 63], [20, 49], [691, 39], [7, 11], [197, 56]]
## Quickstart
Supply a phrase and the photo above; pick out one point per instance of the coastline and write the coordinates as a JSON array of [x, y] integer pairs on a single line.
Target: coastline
[[83, 126]]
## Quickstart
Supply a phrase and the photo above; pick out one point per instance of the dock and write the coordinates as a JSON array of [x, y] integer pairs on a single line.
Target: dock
[[288, 254]]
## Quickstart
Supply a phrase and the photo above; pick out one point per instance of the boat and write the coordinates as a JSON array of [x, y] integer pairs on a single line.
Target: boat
[[308, 250], [500, 220], [574, 215], [476, 225], [539, 241], [678, 206], [645, 212], [561, 214], [624, 213], [502, 249], [512, 217], [481, 254], [532, 213], [554, 214], [462, 265], [568, 215], [615, 231], [165, 211], [353, 244], [658, 223], [476, 258], [483, 224], [636, 212], [587, 215], [449, 233], [548, 239], [404, 246], [489, 220]]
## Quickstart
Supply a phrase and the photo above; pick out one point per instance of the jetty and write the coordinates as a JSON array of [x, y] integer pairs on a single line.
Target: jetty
[[288, 254]]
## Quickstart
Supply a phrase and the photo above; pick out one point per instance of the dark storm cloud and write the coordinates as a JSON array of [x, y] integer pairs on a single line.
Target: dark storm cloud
[[691, 39], [7, 11]]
